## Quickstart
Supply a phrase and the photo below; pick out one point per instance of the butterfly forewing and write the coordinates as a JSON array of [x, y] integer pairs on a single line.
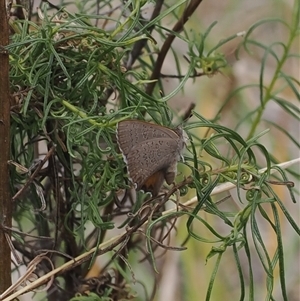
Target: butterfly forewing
[[133, 132]]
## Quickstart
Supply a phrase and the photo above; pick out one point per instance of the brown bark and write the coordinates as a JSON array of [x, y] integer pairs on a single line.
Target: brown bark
[[5, 199]]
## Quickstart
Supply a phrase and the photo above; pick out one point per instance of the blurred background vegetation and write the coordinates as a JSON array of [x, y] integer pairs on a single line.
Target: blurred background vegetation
[[77, 69]]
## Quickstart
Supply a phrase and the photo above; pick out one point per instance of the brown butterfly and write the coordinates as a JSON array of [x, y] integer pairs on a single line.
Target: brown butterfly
[[151, 153]]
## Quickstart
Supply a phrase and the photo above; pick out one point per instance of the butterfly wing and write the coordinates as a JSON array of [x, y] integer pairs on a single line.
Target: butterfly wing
[[133, 132], [151, 156], [150, 152]]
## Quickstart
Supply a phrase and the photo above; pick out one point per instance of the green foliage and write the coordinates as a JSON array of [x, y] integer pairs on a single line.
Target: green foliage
[[72, 83]]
